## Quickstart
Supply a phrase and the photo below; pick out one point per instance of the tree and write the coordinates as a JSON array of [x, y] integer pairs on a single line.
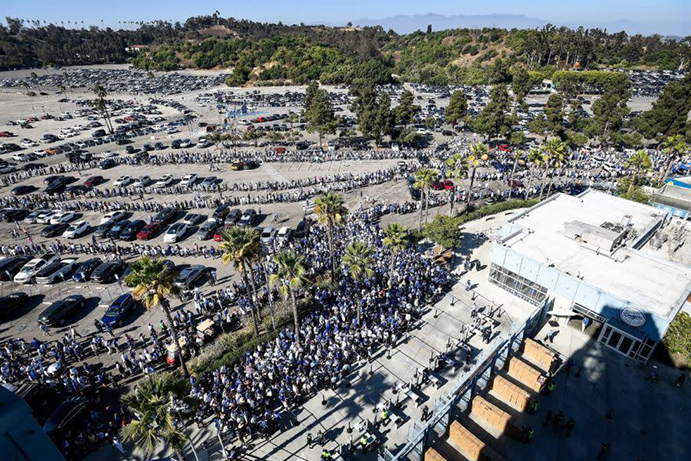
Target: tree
[[458, 169], [330, 212], [406, 109], [385, 118], [430, 123], [610, 109], [674, 147], [242, 246], [359, 261], [521, 85], [429, 29], [102, 106], [291, 276], [555, 153], [424, 178], [153, 284], [669, 114], [444, 231], [320, 114], [493, 121], [395, 239], [151, 403], [310, 91], [478, 152], [457, 108], [639, 162], [554, 114]]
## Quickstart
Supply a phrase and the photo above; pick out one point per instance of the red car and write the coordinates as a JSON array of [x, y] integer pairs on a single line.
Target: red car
[[219, 231], [6, 134], [503, 148], [448, 185], [149, 231], [94, 181], [437, 185]]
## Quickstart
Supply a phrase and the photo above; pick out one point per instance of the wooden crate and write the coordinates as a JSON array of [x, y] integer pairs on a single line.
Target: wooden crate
[[538, 354], [511, 393], [532, 378]]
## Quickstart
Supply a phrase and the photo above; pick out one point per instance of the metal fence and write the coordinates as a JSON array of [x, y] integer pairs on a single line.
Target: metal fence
[[465, 389]]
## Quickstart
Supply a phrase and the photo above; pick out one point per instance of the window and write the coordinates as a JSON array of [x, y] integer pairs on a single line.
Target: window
[[517, 285]]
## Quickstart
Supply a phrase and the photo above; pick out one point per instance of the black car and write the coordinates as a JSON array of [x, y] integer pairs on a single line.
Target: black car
[[106, 163], [252, 165], [117, 228], [108, 272], [221, 212], [14, 214], [55, 314], [53, 230], [23, 189], [233, 217], [189, 276], [207, 230], [99, 133], [130, 232], [56, 187], [176, 144], [10, 266], [103, 229], [165, 215], [49, 179], [85, 269], [77, 189], [248, 218], [302, 229], [10, 303]]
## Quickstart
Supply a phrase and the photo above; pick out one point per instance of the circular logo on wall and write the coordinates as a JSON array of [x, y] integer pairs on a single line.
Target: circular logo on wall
[[632, 316]]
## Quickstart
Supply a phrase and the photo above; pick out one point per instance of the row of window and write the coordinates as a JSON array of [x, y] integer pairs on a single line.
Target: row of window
[[517, 285]]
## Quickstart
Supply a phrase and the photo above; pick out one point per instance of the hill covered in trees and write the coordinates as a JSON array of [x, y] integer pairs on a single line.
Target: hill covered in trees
[[262, 53]]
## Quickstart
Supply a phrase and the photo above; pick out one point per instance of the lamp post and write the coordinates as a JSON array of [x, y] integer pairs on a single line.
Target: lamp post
[[268, 288], [177, 406]]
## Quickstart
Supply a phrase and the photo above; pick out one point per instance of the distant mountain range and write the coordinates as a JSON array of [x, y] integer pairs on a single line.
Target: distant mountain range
[[404, 24]]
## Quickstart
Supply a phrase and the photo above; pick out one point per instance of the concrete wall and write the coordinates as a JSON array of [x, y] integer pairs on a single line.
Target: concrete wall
[[566, 287]]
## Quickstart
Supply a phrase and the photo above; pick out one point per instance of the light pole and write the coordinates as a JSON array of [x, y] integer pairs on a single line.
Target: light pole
[[268, 288], [177, 406]]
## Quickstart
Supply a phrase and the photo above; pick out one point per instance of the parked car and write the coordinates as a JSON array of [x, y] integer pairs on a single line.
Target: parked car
[[176, 232], [76, 230], [103, 229], [55, 272], [142, 181], [11, 302], [113, 216], [84, 270], [94, 181], [189, 276], [220, 213], [165, 181], [56, 313], [108, 271], [149, 231], [303, 228], [10, 266], [207, 230], [165, 215], [122, 181], [188, 180], [193, 219], [13, 214], [117, 311], [130, 232], [117, 228], [53, 230], [62, 217], [267, 235], [23, 189], [285, 234], [248, 218]]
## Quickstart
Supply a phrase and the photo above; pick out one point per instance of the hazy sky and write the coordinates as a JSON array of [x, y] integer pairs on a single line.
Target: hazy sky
[[662, 12]]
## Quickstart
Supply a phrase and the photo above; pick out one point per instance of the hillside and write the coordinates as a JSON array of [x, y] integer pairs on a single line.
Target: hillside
[[261, 53]]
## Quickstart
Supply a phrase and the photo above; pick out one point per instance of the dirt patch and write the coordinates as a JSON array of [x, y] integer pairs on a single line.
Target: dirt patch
[[450, 40], [218, 31]]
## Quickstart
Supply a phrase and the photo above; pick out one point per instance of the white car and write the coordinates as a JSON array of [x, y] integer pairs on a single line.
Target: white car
[[113, 216], [188, 180], [142, 181], [122, 181], [62, 217], [76, 230], [203, 144], [175, 232], [186, 144], [110, 154], [55, 272], [285, 234], [44, 218], [34, 215], [28, 271], [165, 181], [23, 157]]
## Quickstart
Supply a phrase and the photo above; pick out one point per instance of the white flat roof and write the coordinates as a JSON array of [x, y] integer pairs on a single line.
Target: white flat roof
[[654, 280]]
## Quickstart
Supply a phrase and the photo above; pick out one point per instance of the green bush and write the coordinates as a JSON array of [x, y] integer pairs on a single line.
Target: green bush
[[677, 340]]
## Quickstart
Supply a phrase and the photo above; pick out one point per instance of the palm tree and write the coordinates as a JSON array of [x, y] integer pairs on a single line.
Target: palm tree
[[151, 403], [101, 106], [396, 239], [639, 162], [534, 158], [291, 276], [358, 258], [153, 283], [242, 246], [458, 169], [424, 179], [330, 212], [674, 147], [557, 154], [479, 152], [517, 158]]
